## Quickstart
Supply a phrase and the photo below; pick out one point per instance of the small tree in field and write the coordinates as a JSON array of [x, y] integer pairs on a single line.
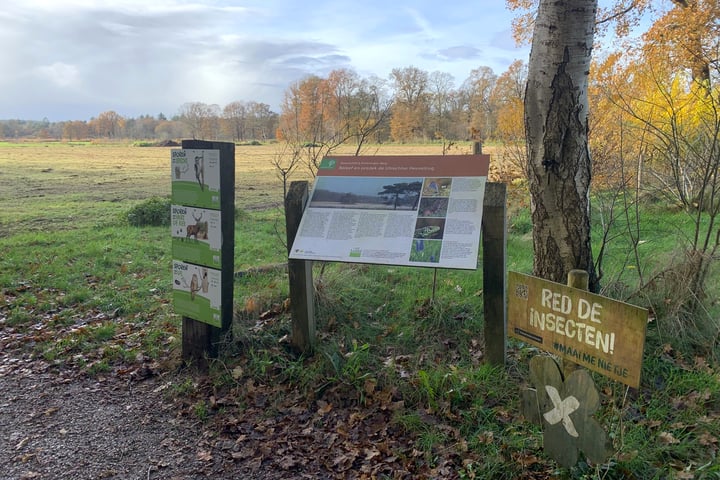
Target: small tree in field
[[319, 115]]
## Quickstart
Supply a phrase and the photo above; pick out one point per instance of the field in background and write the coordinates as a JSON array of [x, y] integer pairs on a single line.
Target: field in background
[[50, 185]]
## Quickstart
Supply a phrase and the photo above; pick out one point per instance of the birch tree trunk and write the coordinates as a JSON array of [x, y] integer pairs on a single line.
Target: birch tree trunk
[[556, 123]]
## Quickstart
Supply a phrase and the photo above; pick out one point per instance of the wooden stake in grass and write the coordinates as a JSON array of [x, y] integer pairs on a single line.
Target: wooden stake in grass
[[579, 279], [302, 296], [494, 244]]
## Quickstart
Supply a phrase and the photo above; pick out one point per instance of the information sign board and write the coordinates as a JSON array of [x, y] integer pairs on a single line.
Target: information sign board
[[196, 232], [196, 235], [398, 210], [196, 177], [197, 292], [596, 332]]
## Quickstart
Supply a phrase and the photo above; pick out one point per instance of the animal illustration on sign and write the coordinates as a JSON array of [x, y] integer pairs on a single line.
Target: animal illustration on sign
[[180, 171], [195, 283], [194, 288], [200, 169], [427, 231], [199, 230]]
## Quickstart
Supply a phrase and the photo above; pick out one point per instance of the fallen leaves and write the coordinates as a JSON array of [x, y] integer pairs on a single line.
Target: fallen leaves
[[204, 455], [326, 437], [667, 438]]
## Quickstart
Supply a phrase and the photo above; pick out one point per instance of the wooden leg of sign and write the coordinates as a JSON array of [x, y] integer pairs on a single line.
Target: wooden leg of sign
[[302, 298], [301, 304], [494, 278], [197, 343]]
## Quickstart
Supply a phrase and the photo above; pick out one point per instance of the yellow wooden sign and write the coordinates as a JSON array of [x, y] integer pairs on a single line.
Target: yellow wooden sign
[[596, 332]]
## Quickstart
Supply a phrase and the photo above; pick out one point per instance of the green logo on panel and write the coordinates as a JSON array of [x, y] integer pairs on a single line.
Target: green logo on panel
[[327, 163]]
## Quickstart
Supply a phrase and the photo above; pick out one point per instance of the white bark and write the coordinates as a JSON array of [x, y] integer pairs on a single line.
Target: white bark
[[556, 120]]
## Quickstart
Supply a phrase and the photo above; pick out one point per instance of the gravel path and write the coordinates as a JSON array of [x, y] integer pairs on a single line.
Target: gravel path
[[61, 425], [56, 426]]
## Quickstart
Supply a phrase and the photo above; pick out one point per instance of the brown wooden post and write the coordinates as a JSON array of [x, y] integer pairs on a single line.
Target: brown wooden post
[[302, 294], [477, 148], [494, 278], [579, 279], [200, 340]]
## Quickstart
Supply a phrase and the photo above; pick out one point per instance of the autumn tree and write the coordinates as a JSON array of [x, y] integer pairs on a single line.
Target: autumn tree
[[305, 122], [107, 125], [682, 36], [682, 33], [320, 114], [478, 102], [687, 34], [360, 107], [668, 122], [508, 96], [202, 120], [168, 129], [75, 130], [442, 99], [142, 127], [556, 113], [373, 111], [303, 111], [261, 121], [234, 121], [411, 105]]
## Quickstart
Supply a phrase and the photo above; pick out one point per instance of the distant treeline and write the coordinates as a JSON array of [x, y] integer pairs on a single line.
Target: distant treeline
[[343, 107], [238, 121]]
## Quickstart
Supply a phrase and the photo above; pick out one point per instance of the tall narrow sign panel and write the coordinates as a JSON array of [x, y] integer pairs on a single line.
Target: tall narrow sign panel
[[396, 210], [196, 234], [596, 332]]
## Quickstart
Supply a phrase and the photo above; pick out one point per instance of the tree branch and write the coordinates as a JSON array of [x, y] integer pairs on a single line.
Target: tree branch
[[619, 14]]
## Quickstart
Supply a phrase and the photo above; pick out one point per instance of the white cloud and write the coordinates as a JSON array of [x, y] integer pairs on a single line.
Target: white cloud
[[77, 58], [61, 74]]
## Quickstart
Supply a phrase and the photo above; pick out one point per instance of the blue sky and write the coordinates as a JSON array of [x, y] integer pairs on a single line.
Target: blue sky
[[73, 59]]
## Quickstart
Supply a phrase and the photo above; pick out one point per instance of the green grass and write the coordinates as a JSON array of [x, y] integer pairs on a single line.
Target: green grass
[[81, 287]]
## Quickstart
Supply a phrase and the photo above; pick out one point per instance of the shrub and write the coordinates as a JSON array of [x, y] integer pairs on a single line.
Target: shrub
[[152, 212], [521, 222]]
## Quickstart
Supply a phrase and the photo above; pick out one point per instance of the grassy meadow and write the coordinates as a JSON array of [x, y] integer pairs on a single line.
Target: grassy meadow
[[81, 288]]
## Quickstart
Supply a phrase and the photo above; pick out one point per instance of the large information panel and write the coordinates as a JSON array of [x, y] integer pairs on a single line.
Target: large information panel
[[596, 332], [196, 234], [396, 210]]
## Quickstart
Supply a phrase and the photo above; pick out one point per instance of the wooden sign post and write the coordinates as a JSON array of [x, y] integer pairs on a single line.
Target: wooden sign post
[[565, 408], [494, 244], [203, 236], [399, 210], [564, 397], [302, 290]]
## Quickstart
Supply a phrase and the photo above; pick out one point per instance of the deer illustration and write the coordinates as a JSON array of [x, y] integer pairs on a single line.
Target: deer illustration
[[199, 230]]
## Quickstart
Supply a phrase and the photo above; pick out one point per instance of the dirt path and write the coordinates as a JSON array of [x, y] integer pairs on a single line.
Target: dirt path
[[141, 421], [57, 425]]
